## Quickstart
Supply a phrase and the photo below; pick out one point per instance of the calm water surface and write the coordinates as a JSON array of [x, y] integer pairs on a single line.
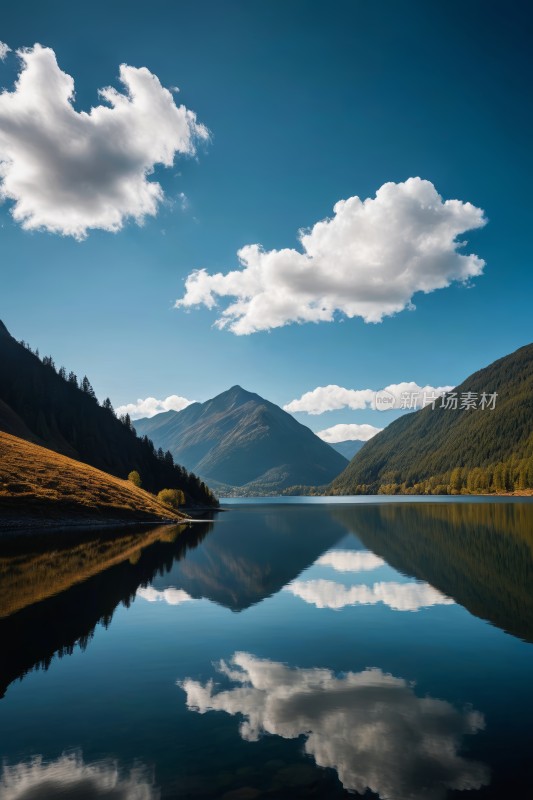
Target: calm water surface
[[315, 650]]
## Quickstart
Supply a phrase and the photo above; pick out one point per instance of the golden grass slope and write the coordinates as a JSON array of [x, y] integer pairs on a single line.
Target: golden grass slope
[[39, 487]]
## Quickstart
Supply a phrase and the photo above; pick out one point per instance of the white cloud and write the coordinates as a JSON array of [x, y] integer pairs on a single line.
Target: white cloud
[[150, 406], [171, 596], [333, 398], [4, 50], [397, 596], [348, 432], [68, 171], [69, 776], [367, 261], [350, 560], [368, 726]]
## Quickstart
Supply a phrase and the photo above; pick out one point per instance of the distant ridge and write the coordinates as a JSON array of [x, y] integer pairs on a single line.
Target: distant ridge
[[242, 441], [348, 448]]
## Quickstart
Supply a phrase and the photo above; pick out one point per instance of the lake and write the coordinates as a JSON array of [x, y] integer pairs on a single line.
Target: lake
[[303, 649]]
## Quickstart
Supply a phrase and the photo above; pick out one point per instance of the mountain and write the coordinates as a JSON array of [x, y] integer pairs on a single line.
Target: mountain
[[239, 439], [39, 487], [348, 448], [44, 406], [443, 450]]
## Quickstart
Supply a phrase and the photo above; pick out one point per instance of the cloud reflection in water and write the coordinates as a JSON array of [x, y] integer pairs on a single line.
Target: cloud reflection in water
[[369, 726], [397, 596], [70, 777]]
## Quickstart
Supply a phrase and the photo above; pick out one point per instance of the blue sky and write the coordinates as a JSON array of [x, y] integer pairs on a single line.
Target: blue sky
[[307, 103]]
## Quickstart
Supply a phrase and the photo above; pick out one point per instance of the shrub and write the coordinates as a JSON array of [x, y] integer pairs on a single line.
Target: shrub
[[135, 478], [171, 497]]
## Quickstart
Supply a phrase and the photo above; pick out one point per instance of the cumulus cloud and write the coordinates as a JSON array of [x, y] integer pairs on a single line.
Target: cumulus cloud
[[4, 50], [150, 406], [367, 261], [68, 171], [334, 398], [348, 432], [350, 560], [170, 596], [69, 776], [397, 596], [369, 726]]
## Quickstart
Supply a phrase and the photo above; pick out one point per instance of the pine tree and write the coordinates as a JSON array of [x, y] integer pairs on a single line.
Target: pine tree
[[87, 388]]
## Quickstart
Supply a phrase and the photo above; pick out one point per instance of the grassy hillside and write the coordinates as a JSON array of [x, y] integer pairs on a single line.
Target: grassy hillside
[[444, 450], [45, 405], [39, 485]]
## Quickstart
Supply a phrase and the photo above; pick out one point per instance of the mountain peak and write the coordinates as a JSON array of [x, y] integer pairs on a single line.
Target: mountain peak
[[237, 395], [237, 390], [3, 330]]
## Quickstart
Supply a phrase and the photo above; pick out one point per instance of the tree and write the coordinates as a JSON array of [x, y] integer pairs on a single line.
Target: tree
[[135, 478], [48, 361], [171, 497], [456, 480], [73, 379], [87, 388], [107, 404]]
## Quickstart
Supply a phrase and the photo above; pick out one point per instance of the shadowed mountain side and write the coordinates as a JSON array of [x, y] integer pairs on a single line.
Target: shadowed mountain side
[[58, 623], [480, 554], [239, 439], [44, 406], [238, 566]]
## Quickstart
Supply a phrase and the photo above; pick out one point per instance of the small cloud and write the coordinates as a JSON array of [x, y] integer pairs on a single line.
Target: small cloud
[[367, 261], [348, 432], [334, 398], [4, 50], [350, 560], [171, 596], [67, 171], [151, 406], [397, 596], [70, 776], [184, 201]]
